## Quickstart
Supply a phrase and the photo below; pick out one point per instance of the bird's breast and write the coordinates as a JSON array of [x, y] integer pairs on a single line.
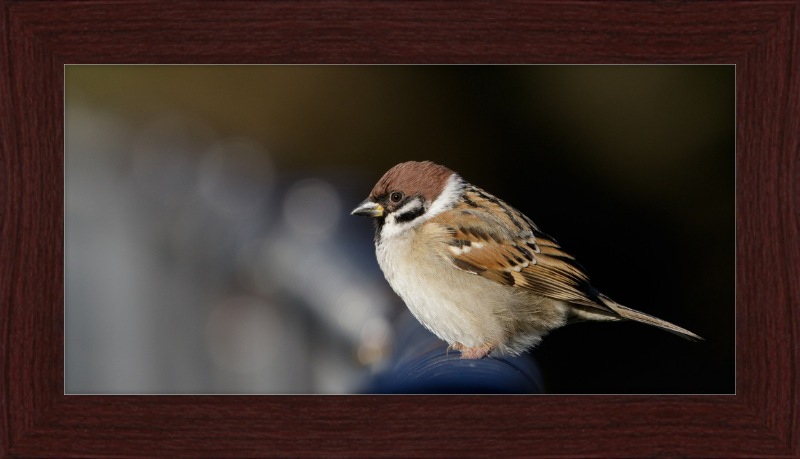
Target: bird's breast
[[455, 305]]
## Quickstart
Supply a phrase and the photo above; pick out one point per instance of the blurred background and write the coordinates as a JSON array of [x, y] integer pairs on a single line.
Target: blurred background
[[209, 247]]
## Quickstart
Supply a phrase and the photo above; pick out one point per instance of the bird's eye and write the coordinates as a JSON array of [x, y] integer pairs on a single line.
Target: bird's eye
[[396, 197]]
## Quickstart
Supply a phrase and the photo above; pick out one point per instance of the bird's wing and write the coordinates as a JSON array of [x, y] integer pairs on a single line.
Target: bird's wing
[[515, 253], [506, 247]]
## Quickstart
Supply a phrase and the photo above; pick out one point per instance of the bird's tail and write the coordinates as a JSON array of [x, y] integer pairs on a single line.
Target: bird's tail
[[632, 314]]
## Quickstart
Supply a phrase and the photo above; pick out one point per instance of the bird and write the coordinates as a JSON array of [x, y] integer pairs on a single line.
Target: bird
[[476, 272]]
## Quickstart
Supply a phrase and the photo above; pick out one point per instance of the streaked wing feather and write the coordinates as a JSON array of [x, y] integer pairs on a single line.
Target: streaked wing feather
[[522, 257]]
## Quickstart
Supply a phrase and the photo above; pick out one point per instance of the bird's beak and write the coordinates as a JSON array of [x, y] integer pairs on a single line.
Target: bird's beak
[[368, 209]]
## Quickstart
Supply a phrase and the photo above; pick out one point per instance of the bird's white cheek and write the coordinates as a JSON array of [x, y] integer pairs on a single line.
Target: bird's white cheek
[[391, 229]]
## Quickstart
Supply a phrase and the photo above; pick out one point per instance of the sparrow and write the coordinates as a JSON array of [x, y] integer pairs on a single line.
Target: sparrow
[[476, 272]]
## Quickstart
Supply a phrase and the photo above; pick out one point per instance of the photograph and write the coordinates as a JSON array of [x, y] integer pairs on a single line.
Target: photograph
[[399, 229]]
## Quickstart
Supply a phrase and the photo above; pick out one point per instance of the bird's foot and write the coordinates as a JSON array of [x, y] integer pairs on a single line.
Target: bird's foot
[[472, 352]]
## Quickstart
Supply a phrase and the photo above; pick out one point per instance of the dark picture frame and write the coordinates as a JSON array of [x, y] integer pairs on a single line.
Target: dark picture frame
[[39, 38]]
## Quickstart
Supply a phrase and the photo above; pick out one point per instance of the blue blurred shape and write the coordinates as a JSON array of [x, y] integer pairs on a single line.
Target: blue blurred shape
[[422, 365]]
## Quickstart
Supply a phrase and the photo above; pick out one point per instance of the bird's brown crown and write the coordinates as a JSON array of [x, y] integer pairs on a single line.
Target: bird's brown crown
[[413, 178]]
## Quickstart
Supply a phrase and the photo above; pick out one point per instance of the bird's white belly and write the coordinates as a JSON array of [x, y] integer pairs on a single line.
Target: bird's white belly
[[445, 300]]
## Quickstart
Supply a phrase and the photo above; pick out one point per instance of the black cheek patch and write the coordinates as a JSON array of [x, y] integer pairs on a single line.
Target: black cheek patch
[[410, 215]]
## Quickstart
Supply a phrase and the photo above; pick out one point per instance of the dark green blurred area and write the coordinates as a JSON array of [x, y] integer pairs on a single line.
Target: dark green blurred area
[[630, 168]]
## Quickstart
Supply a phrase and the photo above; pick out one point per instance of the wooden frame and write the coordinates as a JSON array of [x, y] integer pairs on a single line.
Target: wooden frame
[[761, 38]]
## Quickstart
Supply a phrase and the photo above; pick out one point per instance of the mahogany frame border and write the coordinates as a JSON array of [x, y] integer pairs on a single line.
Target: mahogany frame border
[[39, 37]]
